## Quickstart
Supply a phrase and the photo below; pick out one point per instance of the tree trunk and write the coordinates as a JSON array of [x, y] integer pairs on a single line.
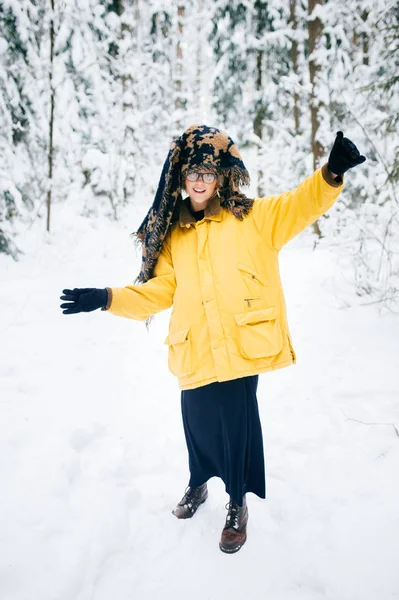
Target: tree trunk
[[198, 79], [51, 124], [130, 33], [362, 40], [294, 60], [315, 31], [179, 100], [260, 110], [131, 44], [365, 40], [258, 121]]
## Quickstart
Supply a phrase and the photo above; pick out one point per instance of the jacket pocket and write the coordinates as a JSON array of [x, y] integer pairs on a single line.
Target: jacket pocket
[[259, 333], [252, 274], [179, 356]]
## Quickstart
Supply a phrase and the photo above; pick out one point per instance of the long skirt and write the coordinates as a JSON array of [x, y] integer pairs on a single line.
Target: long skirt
[[224, 436]]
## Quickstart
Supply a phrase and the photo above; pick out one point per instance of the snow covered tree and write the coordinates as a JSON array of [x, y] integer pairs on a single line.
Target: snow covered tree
[[128, 75], [22, 118], [252, 54], [361, 87], [229, 43], [377, 264]]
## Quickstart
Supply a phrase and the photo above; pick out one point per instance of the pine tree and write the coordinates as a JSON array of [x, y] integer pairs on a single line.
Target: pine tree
[[22, 184], [229, 43]]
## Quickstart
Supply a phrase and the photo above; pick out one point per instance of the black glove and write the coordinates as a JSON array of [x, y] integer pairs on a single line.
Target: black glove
[[344, 155], [83, 300]]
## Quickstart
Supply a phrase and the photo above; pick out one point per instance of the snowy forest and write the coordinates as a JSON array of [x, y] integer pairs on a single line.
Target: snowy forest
[[92, 92], [92, 450]]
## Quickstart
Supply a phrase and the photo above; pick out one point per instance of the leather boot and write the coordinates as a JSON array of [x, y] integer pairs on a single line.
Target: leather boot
[[234, 534], [192, 499]]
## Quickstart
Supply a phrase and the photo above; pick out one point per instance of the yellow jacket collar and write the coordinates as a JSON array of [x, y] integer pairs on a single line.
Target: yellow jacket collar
[[213, 212]]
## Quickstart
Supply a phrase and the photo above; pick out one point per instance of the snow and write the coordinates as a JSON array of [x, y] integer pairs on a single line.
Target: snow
[[93, 457], [3, 46]]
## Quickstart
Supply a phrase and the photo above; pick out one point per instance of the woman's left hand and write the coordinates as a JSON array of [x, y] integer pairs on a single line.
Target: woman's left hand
[[344, 155]]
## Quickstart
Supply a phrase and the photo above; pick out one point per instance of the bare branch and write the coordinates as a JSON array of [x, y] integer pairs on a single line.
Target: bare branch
[[365, 423]]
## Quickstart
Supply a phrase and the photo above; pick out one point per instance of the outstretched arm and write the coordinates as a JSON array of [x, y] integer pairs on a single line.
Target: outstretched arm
[[280, 218], [143, 301], [133, 301]]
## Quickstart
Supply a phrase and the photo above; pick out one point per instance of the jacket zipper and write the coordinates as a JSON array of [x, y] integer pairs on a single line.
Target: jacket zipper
[[248, 300]]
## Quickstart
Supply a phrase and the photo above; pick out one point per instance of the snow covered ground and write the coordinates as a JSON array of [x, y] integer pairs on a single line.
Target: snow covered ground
[[92, 453]]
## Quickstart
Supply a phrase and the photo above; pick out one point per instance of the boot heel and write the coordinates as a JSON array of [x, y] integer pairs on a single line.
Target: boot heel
[[191, 501]]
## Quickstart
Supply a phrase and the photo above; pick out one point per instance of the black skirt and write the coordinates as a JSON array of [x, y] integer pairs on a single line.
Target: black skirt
[[224, 436]]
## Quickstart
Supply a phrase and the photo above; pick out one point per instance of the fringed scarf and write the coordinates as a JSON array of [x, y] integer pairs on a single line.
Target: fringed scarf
[[199, 148]]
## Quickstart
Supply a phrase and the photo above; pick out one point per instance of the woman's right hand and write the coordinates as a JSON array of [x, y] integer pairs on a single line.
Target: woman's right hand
[[83, 300]]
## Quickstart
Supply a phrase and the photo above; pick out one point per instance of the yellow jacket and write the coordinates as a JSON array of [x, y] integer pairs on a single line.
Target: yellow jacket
[[222, 277]]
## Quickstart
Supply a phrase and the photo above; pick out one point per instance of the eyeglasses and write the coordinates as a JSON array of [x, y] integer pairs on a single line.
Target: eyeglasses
[[206, 177]]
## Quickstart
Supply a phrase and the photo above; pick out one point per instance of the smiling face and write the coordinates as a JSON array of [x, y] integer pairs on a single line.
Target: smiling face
[[200, 191]]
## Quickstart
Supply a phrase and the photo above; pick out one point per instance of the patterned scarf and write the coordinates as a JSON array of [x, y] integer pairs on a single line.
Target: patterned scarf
[[198, 148]]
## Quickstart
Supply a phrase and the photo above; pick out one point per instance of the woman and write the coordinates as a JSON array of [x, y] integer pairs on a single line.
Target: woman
[[214, 257]]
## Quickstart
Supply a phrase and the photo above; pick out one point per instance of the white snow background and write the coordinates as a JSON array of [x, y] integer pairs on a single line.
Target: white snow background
[[93, 456]]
